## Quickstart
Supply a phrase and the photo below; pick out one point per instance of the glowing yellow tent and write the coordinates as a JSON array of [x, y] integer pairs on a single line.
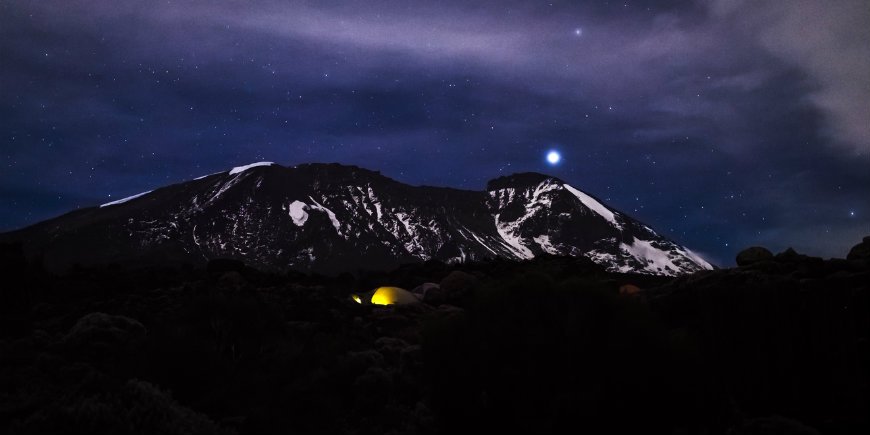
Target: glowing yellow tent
[[386, 296]]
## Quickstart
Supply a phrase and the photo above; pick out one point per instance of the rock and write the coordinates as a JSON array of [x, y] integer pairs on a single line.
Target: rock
[[219, 266], [803, 265], [429, 293], [789, 255], [374, 384], [629, 290], [860, 251], [424, 418], [774, 425], [411, 360], [448, 312], [457, 284], [231, 281], [363, 359], [135, 407], [105, 333], [755, 254]]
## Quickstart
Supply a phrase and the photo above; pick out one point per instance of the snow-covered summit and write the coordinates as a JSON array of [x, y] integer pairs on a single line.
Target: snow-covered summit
[[333, 218], [127, 199], [240, 169]]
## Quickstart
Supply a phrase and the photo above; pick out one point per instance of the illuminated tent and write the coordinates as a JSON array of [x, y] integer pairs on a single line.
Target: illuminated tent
[[386, 296]]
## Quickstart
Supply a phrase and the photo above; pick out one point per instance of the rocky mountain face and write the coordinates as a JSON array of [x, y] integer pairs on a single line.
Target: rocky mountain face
[[331, 218]]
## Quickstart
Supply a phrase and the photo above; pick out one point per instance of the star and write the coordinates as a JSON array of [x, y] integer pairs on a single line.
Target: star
[[553, 157], [578, 31]]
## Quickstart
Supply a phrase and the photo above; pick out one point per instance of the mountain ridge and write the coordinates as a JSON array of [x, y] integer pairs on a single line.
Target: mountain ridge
[[328, 217]]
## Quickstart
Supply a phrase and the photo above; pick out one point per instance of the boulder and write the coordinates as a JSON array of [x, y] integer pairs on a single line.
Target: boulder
[[390, 347], [219, 266], [629, 290], [231, 281], [755, 254], [457, 284], [374, 385], [359, 361], [105, 333], [411, 360], [860, 251], [789, 255], [774, 425], [429, 292]]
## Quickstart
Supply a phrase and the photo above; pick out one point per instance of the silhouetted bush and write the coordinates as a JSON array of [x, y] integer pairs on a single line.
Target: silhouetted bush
[[136, 408], [545, 346], [535, 356]]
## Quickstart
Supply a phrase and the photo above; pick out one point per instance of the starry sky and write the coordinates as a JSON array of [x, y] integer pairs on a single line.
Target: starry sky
[[720, 123]]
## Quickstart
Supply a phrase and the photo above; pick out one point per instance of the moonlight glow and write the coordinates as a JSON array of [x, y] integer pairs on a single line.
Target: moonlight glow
[[553, 157]]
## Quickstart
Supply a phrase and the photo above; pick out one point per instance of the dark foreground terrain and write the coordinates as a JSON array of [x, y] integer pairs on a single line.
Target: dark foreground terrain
[[553, 345]]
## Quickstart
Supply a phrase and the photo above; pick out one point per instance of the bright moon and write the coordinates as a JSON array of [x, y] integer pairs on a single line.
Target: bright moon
[[553, 157]]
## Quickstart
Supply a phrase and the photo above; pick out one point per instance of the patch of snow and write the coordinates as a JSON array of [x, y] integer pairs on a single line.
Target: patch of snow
[[226, 186], [603, 258], [506, 231], [656, 260], [545, 244], [544, 187], [406, 222], [412, 242], [504, 196], [594, 205], [207, 175], [378, 210], [695, 258], [332, 218], [129, 198], [309, 252], [374, 200], [479, 240], [240, 169], [297, 213]]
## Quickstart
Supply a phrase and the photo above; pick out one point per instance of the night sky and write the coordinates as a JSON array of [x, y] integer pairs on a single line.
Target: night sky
[[720, 123]]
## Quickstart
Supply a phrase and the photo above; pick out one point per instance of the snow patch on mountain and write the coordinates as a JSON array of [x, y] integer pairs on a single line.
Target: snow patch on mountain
[[297, 213], [694, 257], [603, 258], [240, 169], [482, 243], [123, 200], [377, 202], [332, 218], [507, 232], [412, 241], [542, 188], [594, 205], [654, 259], [544, 242]]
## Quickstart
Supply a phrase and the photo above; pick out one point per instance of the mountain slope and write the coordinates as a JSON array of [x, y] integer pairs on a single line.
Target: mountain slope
[[331, 218]]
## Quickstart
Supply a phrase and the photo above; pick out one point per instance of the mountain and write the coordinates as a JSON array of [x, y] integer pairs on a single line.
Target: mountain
[[330, 218]]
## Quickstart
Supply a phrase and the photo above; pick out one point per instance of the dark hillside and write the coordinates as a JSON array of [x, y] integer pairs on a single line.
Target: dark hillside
[[550, 345]]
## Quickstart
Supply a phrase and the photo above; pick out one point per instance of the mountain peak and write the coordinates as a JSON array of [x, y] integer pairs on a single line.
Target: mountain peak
[[330, 218], [338, 173], [520, 179]]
